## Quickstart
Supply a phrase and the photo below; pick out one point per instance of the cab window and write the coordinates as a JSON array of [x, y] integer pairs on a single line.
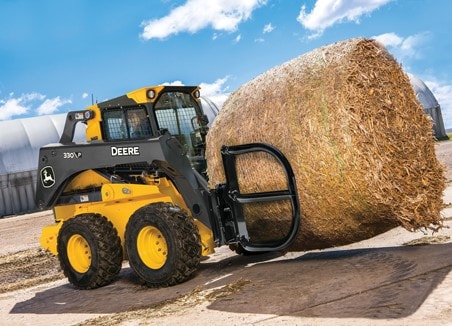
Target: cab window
[[123, 124], [180, 114]]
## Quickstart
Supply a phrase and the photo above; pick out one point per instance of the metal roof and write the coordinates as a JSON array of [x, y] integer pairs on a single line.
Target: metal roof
[[423, 93]]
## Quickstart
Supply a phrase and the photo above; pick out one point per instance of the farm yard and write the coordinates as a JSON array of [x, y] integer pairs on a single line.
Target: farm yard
[[395, 278]]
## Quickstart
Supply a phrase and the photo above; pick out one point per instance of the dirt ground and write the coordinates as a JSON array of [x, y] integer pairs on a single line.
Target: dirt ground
[[396, 278]]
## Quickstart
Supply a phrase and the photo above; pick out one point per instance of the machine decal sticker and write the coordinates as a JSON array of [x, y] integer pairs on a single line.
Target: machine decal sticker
[[125, 151], [71, 155], [47, 177]]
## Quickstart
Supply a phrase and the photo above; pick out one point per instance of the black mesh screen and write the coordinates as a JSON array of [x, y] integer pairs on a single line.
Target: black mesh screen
[[131, 123]]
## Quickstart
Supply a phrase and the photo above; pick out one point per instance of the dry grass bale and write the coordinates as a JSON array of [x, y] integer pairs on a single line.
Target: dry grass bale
[[362, 150]]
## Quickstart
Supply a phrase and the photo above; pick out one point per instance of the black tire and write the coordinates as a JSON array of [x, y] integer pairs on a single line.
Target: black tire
[[163, 245], [100, 262]]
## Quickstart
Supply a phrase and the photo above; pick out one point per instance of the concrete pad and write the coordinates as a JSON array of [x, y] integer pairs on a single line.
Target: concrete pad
[[447, 197]]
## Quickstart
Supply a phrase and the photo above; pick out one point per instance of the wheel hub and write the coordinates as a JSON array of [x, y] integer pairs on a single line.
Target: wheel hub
[[79, 253], [152, 247]]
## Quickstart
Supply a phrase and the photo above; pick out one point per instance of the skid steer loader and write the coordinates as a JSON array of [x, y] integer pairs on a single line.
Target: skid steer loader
[[137, 190]]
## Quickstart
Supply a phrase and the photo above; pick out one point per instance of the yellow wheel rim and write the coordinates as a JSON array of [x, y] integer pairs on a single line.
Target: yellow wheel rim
[[79, 253], [152, 247]]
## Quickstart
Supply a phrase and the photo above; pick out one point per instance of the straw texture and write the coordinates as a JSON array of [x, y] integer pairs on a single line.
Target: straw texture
[[361, 147]]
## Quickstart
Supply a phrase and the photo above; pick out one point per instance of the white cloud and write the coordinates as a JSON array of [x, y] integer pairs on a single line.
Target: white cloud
[[12, 107], [268, 28], [214, 89], [326, 13], [50, 106], [389, 39], [194, 15], [443, 94], [216, 92], [238, 38], [173, 83], [402, 47], [15, 106], [85, 95], [29, 97], [411, 43]]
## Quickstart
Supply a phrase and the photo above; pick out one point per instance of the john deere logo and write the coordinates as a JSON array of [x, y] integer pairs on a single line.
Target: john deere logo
[[47, 177]]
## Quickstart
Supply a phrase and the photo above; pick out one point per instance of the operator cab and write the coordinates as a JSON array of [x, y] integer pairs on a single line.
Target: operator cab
[[176, 110]]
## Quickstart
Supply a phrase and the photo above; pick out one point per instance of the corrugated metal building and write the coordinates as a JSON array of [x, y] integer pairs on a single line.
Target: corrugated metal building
[[20, 141], [430, 104], [210, 108]]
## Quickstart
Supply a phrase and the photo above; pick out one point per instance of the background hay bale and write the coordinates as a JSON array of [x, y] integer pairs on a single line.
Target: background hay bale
[[361, 147]]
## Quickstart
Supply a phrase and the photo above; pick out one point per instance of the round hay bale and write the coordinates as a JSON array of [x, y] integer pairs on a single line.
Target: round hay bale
[[361, 147]]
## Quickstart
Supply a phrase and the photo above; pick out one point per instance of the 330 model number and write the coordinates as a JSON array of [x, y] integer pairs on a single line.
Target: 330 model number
[[71, 155]]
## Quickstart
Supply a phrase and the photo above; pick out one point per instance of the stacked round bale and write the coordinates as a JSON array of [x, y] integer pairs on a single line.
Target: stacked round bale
[[361, 147]]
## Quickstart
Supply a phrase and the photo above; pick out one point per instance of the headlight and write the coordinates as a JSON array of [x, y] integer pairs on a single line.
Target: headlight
[[150, 93]]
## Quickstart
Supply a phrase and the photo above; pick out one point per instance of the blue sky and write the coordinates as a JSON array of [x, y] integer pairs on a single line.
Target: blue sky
[[56, 56]]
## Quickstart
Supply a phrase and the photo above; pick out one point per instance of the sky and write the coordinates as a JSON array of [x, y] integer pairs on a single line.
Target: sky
[[57, 56]]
